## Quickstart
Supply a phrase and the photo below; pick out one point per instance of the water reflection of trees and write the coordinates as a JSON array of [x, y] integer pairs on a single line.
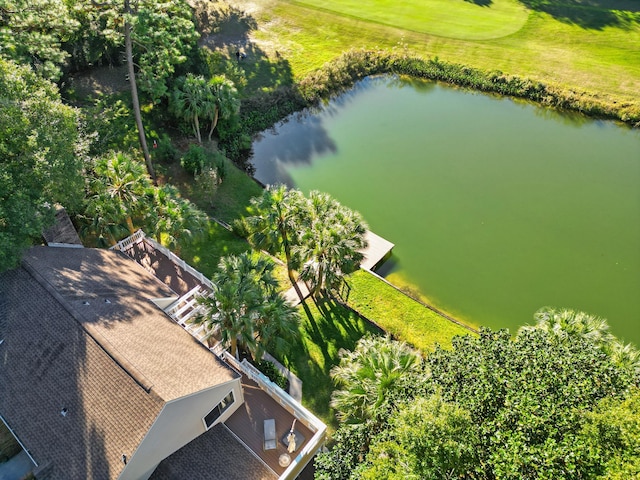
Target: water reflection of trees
[[301, 137], [293, 142]]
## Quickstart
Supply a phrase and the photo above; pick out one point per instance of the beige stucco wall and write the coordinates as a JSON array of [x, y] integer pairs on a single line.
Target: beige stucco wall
[[179, 422]]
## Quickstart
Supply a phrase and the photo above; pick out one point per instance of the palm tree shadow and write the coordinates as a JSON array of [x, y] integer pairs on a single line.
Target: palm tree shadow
[[590, 14], [480, 3]]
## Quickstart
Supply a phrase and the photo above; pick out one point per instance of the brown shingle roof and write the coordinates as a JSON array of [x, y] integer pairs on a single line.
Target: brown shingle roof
[[168, 359], [49, 363], [215, 455], [111, 365]]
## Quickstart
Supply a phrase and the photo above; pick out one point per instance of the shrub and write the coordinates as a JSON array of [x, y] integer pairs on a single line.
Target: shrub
[[206, 184], [166, 151], [263, 110], [9, 447], [270, 370], [194, 160], [217, 162]]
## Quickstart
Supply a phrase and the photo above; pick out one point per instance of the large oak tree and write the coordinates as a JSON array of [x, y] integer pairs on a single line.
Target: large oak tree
[[40, 158]]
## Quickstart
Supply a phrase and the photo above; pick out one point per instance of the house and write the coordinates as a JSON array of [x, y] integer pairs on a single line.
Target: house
[[98, 379]]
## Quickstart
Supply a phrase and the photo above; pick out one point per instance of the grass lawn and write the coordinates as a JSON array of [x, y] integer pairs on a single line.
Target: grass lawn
[[474, 20], [576, 45], [204, 253], [326, 328], [402, 317], [233, 195]]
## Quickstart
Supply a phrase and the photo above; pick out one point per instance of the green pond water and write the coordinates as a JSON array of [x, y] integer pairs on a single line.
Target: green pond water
[[496, 207]]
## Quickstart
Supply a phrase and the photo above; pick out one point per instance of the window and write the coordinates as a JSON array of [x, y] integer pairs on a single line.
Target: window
[[218, 410]]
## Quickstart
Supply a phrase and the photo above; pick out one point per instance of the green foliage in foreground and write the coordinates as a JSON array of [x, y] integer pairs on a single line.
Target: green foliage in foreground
[[272, 373], [40, 158], [9, 447], [398, 314], [320, 238], [496, 407]]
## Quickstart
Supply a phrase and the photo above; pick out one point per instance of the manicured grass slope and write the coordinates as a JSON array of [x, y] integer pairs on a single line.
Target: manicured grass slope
[[568, 44], [233, 195], [204, 253], [327, 327], [399, 315], [448, 18]]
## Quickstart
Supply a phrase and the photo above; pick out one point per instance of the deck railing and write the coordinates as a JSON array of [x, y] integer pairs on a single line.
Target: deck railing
[[124, 244], [130, 240], [274, 391], [292, 406], [278, 394]]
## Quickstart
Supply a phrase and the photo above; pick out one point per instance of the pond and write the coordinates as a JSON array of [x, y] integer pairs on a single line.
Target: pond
[[496, 207]]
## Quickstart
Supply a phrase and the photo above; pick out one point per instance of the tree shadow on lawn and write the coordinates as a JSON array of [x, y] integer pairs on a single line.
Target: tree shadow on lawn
[[480, 3], [590, 14], [325, 333], [231, 38]]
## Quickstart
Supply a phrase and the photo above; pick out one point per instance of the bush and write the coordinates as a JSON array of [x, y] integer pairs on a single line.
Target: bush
[[166, 151], [271, 371], [206, 184], [194, 160], [217, 162], [9, 447]]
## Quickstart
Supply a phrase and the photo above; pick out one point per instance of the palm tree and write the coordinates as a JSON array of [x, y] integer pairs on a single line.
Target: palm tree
[[275, 224], [625, 355], [125, 184], [277, 326], [225, 101], [117, 194], [242, 286], [196, 99], [192, 100], [174, 217], [104, 221], [331, 244], [368, 375], [566, 322]]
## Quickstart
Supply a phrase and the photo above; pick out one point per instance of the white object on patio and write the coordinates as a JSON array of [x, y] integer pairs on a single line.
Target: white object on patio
[[270, 442]]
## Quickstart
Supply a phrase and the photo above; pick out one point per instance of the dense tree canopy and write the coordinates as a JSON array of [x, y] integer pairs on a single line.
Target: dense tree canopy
[[32, 33], [121, 199], [40, 158], [274, 223], [544, 404], [246, 308], [198, 100], [369, 375], [331, 242]]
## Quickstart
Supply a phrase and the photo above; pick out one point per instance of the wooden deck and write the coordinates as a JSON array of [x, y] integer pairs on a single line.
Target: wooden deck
[[377, 250], [247, 423]]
